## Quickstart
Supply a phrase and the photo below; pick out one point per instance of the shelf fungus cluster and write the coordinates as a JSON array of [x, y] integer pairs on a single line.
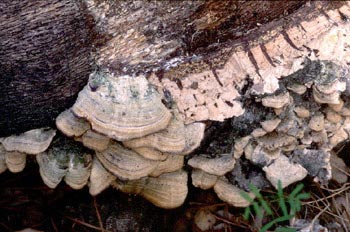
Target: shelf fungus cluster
[[14, 149], [139, 143], [311, 116], [208, 172], [126, 137], [292, 135]]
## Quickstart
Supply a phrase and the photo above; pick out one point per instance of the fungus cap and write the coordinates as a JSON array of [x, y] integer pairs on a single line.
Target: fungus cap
[[270, 125], [151, 153], [100, 178], [275, 141], [297, 88], [31, 142], [121, 107], [79, 169], [71, 125], [218, 165], [230, 193], [94, 140], [124, 163], [167, 191], [51, 170], [170, 139], [63, 156], [171, 164], [15, 161], [277, 171], [194, 134], [276, 101], [203, 179]]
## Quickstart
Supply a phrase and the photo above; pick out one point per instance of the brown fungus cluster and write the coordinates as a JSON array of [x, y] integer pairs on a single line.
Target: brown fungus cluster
[[139, 143], [311, 117], [209, 173], [66, 160], [295, 129], [15, 148]]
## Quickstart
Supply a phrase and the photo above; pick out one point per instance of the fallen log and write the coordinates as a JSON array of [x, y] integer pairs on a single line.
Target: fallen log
[[285, 78]]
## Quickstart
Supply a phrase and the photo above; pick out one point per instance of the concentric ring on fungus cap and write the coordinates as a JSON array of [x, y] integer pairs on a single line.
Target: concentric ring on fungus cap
[[171, 139], [121, 107], [124, 163], [31, 142], [167, 191]]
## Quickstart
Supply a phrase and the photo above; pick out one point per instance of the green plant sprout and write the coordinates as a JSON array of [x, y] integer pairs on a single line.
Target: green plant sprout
[[287, 205]]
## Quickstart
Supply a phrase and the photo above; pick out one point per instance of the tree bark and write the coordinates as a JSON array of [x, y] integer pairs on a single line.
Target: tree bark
[[204, 53], [44, 61]]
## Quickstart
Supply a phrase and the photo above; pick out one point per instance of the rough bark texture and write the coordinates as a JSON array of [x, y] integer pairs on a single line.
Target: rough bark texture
[[198, 51], [204, 91], [147, 36], [44, 61]]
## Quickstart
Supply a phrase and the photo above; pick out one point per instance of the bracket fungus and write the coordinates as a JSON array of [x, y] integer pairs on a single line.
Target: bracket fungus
[[218, 165], [140, 144], [291, 120], [277, 171], [194, 134], [65, 159], [125, 163], [100, 178], [171, 139], [230, 193], [209, 173], [71, 125], [276, 101], [167, 191], [202, 179], [30, 142], [126, 109], [121, 107], [94, 140], [171, 164], [15, 161], [310, 120], [151, 153]]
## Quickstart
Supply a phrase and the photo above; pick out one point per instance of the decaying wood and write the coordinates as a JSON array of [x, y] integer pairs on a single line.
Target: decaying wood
[[201, 52], [215, 93], [208, 79]]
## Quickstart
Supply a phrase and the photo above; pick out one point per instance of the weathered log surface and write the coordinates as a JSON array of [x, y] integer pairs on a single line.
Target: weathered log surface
[[203, 55], [199, 51], [44, 61], [217, 92]]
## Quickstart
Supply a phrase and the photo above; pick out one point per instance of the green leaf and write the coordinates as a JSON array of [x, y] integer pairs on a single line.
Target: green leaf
[[296, 190], [294, 205], [275, 221], [285, 229], [262, 201], [246, 196], [246, 213], [266, 207], [281, 200], [255, 190], [303, 196], [258, 210]]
